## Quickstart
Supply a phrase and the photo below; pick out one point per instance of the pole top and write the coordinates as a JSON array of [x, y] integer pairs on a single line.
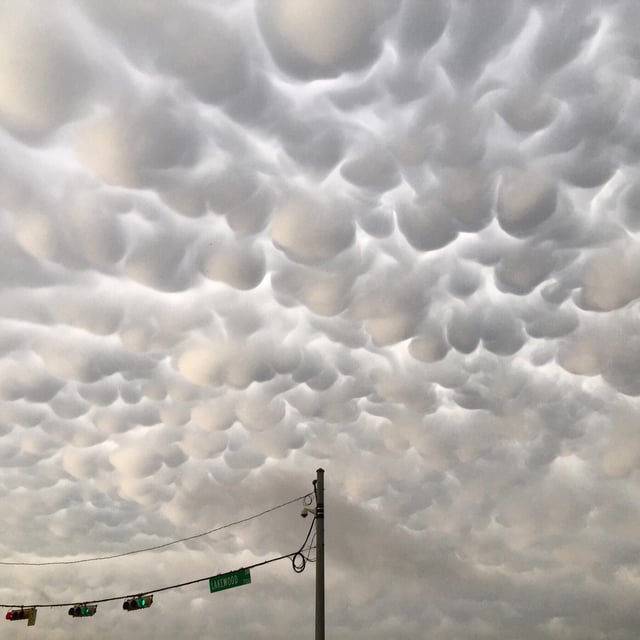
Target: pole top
[[320, 470]]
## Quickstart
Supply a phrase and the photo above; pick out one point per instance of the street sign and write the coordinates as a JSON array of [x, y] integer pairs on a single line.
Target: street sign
[[229, 580]]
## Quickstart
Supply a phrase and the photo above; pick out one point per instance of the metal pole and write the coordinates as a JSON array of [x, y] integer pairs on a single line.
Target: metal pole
[[320, 554]]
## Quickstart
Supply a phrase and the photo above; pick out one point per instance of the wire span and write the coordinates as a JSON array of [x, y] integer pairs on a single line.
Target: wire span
[[159, 546], [298, 559], [52, 605]]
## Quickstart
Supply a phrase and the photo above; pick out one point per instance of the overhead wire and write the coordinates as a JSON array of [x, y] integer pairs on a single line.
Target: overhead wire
[[298, 559], [304, 497], [179, 585]]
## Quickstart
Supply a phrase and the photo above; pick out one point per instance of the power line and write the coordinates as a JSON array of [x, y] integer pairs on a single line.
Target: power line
[[144, 598], [299, 559], [158, 546], [145, 592]]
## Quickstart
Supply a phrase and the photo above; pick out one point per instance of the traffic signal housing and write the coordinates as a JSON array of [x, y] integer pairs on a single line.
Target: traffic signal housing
[[17, 614], [140, 602], [28, 614], [83, 610]]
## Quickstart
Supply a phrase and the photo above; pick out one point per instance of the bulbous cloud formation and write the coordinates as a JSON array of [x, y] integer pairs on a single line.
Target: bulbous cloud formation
[[397, 240]]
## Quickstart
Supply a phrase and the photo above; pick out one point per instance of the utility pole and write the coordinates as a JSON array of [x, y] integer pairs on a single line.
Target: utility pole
[[320, 554]]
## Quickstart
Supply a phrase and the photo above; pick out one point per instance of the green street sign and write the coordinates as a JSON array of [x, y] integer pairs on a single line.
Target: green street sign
[[229, 580]]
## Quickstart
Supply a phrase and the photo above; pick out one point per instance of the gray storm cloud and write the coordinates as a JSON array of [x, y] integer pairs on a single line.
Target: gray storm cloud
[[398, 241]]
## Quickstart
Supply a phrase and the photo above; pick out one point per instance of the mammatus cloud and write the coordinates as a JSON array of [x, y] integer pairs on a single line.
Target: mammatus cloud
[[397, 241], [311, 40]]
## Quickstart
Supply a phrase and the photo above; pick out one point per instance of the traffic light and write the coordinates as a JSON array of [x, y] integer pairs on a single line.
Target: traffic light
[[17, 614], [83, 610], [140, 602], [23, 614]]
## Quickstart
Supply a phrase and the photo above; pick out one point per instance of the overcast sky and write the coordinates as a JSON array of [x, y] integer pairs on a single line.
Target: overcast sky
[[394, 239]]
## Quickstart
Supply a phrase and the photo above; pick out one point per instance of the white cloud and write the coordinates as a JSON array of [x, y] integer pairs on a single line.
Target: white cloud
[[310, 230], [314, 39], [45, 76], [396, 241]]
